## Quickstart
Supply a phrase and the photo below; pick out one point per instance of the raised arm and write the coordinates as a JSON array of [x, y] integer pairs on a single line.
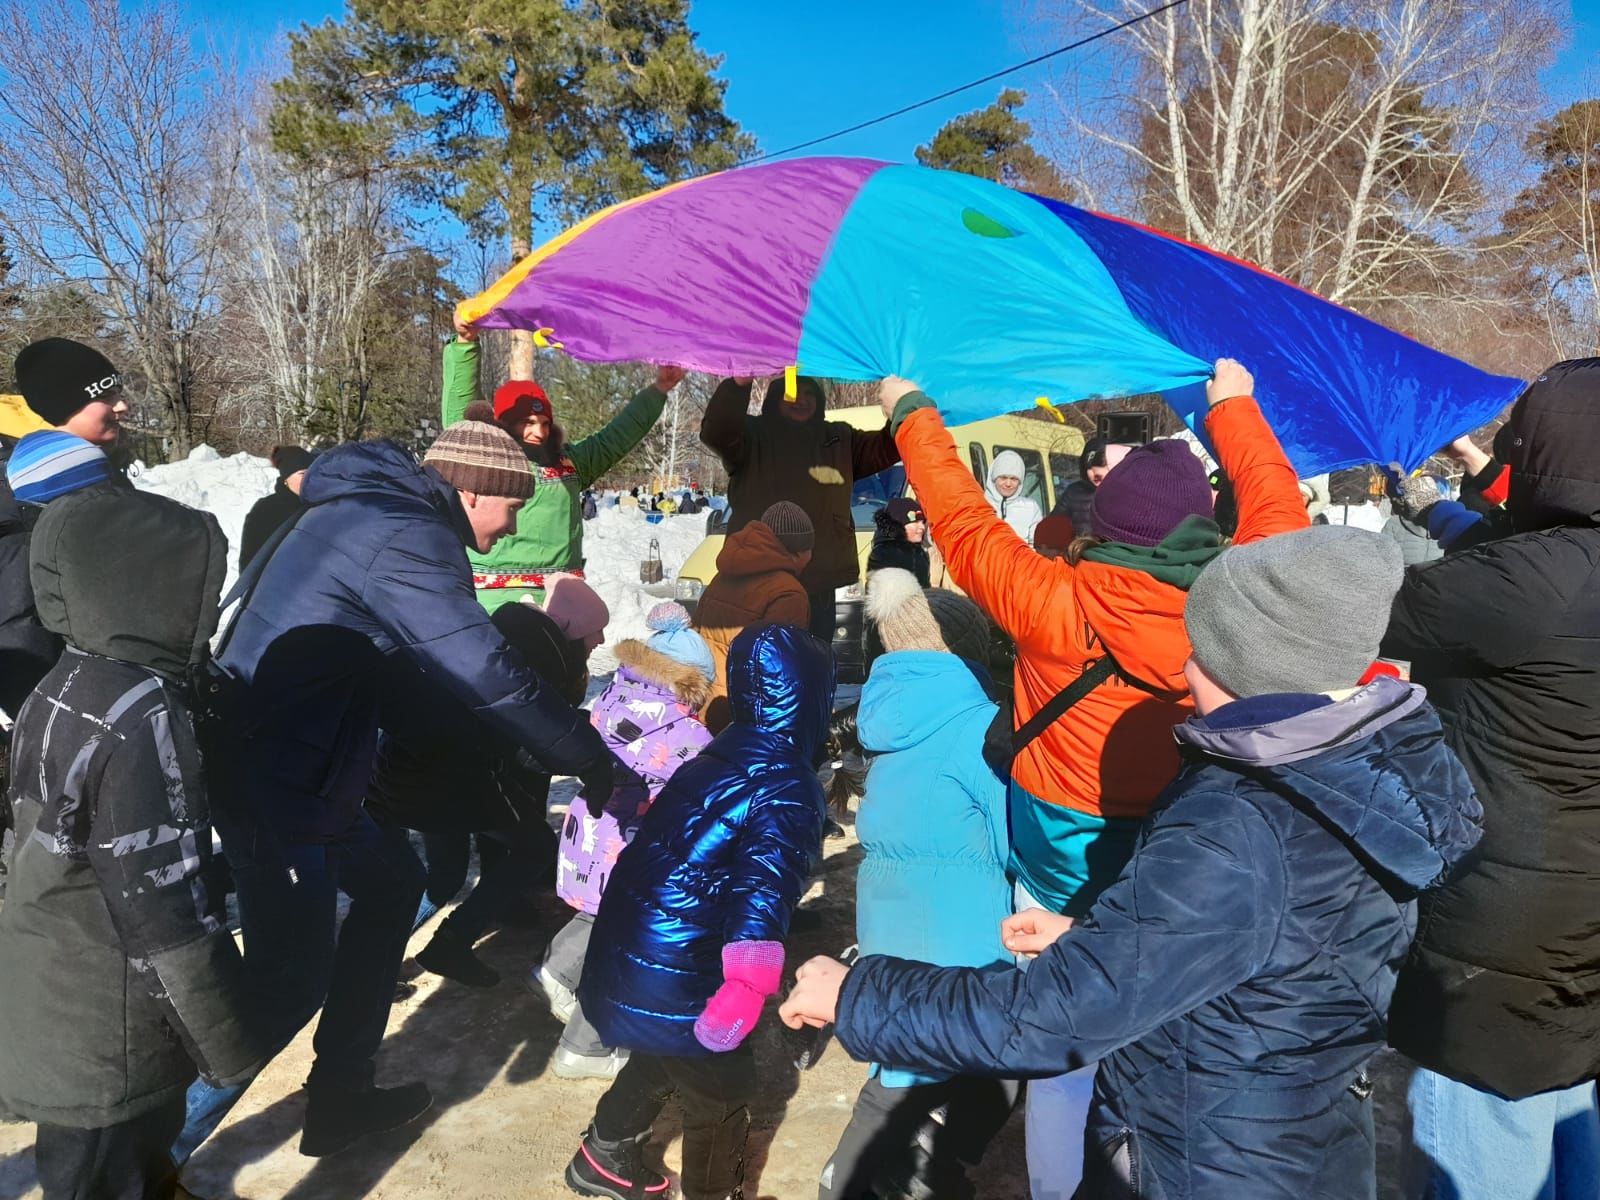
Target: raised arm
[[1018, 588], [604, 449], [460, 381], [1264, 484], [722, 428]]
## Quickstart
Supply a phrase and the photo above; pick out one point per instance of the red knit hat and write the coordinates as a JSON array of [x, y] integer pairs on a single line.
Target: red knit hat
[[1150, 492], [519, 399]]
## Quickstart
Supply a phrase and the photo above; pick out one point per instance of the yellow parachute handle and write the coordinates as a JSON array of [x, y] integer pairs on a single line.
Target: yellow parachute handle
[[791, 386], [1044, 403], [543, 340]]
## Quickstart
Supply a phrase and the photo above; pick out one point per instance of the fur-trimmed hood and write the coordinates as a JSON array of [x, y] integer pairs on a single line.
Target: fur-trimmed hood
[[687, 683]]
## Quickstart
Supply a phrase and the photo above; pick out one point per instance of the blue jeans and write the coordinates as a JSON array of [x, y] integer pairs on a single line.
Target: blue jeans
[[1471, 1145], [1057, 1113]]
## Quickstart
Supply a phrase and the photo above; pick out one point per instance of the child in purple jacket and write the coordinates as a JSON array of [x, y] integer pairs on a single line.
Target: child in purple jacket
[[648, 717]]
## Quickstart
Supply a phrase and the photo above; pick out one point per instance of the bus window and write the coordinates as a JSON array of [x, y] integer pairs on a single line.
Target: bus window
[[1063, 473], [1032, 475], [980, 462]]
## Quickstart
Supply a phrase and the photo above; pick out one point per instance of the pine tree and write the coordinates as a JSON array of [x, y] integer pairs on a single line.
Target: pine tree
[[512, 114], [995, 143]]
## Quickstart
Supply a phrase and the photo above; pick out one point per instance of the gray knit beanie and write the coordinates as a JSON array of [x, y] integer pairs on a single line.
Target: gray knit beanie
[[793, 527], [1299, 612], [911, 617]]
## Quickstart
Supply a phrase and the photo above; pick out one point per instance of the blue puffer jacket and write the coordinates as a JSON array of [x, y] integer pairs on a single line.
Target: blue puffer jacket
[[1234, 979], [723, 854], [368, 602], [932, 884]]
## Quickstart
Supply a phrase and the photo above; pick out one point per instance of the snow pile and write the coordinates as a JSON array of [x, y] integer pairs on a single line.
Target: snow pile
[[223, 487], [614, 543]]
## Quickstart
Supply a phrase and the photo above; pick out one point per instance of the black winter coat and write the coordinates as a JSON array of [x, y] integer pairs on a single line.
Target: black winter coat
[[891, 549], [120, 977], [814, 463], [368, 601], [1503, 987], [264, 519], [27, 649], [1232, 982]]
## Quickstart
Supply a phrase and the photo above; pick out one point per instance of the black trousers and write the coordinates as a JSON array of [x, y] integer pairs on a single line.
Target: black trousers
[[823, 613], [714, 1090], [893, 1137], [128, 1161]]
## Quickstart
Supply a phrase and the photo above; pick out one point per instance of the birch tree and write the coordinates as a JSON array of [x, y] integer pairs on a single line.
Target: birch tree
[[119, 168], [1354, 146]]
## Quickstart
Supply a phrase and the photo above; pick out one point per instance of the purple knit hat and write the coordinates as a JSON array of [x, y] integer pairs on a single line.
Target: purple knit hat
[[1150, 492]]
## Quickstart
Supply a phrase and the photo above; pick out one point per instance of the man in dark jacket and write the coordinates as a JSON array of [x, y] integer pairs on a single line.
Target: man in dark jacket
[[75, 388], [1233, 981], [1500, 1000], [366, 601], [270, 512], [120, 977], [791, 451]]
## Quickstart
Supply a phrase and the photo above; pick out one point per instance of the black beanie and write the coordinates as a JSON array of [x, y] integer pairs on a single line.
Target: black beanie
[[57, 377], [290, 460]]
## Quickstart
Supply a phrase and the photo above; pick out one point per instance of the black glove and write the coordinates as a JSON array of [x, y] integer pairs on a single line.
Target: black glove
[[598, 779]]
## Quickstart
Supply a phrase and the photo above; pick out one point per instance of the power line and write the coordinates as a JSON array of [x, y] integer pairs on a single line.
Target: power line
[[967, 87]]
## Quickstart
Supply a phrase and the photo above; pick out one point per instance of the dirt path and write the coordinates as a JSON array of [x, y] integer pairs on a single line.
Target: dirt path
[[503, 1126]]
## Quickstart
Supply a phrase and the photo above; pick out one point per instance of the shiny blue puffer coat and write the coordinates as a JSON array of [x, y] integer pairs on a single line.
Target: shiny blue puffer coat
[[723, 854], [1233, 982]]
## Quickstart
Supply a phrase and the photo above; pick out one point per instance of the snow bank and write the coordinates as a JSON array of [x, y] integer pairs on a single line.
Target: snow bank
[[614, 542], [223, 487]]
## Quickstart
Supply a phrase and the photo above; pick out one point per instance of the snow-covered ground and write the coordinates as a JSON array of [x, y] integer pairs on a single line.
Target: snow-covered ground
[[615, 542]]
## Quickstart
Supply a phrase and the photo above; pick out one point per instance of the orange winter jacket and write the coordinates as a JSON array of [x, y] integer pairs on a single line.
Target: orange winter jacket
[[1113, 752]]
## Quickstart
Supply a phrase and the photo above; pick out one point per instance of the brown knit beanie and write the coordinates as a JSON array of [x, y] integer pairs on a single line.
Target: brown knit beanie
[[910, 617], [794, 529], [476, 456]]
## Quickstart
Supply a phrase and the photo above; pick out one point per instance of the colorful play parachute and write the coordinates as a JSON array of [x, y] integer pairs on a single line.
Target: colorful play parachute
[[987, 297]]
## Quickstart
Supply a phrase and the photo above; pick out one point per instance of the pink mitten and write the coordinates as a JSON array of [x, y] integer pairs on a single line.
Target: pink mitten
[[751, 971]]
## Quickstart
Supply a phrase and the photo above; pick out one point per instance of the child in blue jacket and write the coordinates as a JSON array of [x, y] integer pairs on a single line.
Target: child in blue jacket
[[1235, 979], [688, 941], [932, 884]]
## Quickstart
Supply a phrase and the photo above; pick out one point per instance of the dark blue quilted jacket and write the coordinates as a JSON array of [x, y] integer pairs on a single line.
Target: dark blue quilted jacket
[[366, 603], [723, 854], [1234, 981]]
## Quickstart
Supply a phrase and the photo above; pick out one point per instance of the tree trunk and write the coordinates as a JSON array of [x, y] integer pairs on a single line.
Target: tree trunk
[[521, 339]]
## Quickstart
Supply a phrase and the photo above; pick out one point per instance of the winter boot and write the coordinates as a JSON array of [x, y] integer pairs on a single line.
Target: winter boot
[[449, 954], [713, 1156], [614, 1169], [336, 1116]]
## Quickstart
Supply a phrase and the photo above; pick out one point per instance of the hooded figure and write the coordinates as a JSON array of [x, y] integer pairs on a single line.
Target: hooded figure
[[1075, 501], [1500, 991], [892, 544], [1232, 982], [758, 580], [121, 980], [791, 451], [723, 854], [1016, 509]]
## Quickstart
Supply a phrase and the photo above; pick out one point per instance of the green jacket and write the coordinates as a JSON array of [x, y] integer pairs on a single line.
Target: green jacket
[[549, 534]]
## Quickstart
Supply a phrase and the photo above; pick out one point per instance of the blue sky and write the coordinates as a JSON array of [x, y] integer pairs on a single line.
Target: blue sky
[[797, 71]]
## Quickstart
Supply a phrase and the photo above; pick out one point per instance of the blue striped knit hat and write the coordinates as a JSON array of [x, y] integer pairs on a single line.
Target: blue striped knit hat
[[52, 463]]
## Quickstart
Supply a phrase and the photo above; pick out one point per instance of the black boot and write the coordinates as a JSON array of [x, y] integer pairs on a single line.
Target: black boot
[[449, 954], [338, 1116], [614, 1169]]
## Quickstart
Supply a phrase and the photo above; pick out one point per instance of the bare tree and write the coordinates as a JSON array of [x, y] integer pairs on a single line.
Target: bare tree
[[312, 251], [119, 167], [1354, 146]]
